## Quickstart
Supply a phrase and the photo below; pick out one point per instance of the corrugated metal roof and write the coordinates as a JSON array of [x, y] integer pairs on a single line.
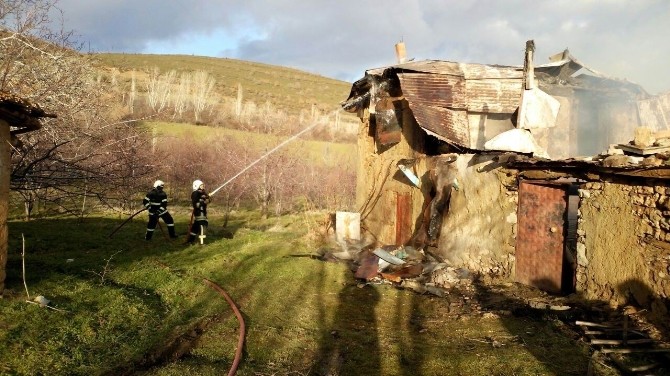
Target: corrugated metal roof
[[434, 89], [439, 101], [468, 71], [500, 96], [449, 125]]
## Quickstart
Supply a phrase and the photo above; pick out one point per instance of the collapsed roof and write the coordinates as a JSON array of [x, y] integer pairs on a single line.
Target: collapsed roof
[[454, 101]]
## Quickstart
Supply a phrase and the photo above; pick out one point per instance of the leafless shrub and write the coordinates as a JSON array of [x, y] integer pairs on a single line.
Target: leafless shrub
[[86, 151]]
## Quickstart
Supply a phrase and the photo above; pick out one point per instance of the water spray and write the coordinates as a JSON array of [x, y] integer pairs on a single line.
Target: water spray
[[266, 155]]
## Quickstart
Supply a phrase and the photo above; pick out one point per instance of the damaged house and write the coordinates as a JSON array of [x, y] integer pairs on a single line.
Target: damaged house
[[504, 170]]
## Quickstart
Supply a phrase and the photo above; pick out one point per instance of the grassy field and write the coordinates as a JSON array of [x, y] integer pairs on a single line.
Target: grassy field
[[126, 306], [288, 89]]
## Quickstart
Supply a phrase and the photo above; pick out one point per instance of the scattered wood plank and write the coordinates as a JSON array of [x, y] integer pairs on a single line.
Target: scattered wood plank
[[631, 350], [620, 341], [587, 323]]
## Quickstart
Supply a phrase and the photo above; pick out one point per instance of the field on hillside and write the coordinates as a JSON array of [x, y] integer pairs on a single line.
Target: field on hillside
[[287, 89], [318, 152]]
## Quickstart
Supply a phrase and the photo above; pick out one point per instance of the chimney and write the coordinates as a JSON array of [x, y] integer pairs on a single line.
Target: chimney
[[400, 52], [528, 67]]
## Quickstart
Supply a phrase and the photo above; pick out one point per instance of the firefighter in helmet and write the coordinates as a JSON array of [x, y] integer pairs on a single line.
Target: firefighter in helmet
[[156, 203], [199, 200]]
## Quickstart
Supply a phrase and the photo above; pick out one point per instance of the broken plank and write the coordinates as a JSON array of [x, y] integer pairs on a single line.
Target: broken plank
[[587, 323], [620, 342], [631, 351], [606, 331]]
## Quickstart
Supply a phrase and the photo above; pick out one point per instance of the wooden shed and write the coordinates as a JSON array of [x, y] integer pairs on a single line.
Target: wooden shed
[[17, 116]]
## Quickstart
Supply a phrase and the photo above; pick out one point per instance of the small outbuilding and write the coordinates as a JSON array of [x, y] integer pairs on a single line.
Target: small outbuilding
[[492, 167], [17, 116]]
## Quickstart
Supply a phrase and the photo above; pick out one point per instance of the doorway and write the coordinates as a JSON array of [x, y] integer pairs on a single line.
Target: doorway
[[543, 258]]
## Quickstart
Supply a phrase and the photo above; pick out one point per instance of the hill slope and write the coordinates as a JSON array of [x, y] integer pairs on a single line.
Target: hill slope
[[287, 89]]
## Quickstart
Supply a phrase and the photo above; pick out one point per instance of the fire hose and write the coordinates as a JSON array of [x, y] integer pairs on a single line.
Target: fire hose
[[240, 341], [126, 221], [236, 175]]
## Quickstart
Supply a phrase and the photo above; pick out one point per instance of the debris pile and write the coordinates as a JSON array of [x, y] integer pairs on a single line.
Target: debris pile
[[630, 348], [404, 267]]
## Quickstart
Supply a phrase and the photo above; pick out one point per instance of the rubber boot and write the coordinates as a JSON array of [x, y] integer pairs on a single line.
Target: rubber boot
[[173, 235]]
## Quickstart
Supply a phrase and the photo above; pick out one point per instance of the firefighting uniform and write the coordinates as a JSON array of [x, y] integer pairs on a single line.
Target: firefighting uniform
[[199, 199], [156, 203]]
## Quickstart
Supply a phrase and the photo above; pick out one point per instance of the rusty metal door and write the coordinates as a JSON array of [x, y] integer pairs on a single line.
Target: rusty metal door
[[403, 218], [541, 235]]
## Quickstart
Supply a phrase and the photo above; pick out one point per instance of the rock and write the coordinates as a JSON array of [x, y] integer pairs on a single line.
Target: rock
[[644, 137], [616, 161]]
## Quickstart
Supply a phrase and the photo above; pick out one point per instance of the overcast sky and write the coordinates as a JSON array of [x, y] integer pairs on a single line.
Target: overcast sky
[[341, 39]]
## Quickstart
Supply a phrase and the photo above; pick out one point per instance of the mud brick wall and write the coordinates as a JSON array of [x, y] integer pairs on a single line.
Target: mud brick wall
[[623, 243], [479, 229]]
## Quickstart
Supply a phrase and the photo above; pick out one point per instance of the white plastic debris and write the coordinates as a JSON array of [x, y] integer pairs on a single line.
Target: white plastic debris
[[42, 301], [540, 110], [517, 140]]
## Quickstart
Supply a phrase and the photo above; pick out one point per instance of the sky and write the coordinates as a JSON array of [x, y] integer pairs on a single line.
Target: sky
[[341, 39]]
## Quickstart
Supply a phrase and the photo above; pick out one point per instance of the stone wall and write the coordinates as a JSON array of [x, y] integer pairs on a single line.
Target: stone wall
[[623, 248]]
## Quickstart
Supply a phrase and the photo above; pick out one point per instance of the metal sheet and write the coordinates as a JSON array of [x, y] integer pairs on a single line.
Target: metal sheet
[[500, 96], [451, 126], [434, 89], [369, 263], [466, 70]]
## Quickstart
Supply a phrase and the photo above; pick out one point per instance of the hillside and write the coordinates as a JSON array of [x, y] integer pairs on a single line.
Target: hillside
[[287, 89]]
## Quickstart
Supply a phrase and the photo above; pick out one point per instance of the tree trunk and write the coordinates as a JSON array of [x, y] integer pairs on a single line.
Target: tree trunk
[[5, 170], [265, 193]]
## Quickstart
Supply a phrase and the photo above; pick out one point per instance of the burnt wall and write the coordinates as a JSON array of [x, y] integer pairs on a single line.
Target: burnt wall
[[479, 229], [623, 248], [381, 187]]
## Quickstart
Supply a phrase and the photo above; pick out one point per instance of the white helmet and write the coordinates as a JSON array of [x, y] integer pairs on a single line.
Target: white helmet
[[158, 183], [197, 184]]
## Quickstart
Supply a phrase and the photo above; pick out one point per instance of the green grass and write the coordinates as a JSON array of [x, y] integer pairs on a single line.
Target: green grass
[[288, 89], [303, 316]]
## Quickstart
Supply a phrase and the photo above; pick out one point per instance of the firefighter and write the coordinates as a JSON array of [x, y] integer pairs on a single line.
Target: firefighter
[[199, 200], [156, 203]]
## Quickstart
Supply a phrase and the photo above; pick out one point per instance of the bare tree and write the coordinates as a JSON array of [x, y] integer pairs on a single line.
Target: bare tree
[[132, 94], [201, 94], [180, 97], [158, 89], [238, 102], [85, 151]]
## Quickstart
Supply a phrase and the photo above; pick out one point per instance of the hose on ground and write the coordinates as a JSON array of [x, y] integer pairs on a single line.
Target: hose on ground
[[240, 341]]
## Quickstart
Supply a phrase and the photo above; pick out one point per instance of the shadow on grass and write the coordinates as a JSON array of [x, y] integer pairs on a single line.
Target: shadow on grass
[[575, 355], [88, 249], [351, 345]]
